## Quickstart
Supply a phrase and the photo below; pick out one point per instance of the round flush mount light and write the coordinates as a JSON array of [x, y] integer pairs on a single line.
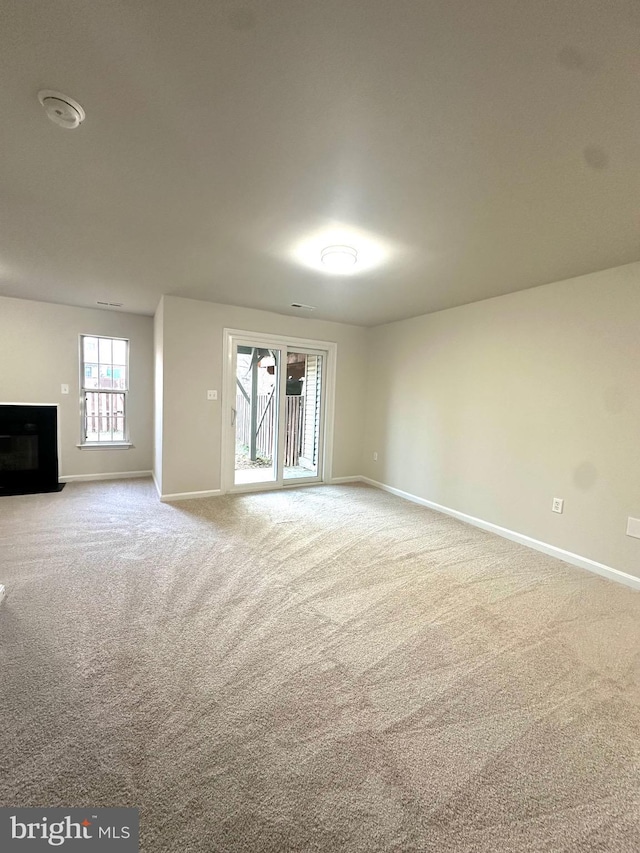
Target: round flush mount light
[[339, 258], [61, 109]]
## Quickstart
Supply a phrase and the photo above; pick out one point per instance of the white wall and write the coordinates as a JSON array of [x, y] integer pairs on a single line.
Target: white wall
[[158, 396], [494, 408], [39, 351], [192, 364]]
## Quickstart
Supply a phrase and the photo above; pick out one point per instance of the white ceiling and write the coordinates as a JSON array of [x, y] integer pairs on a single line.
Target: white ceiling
[[466, 149]]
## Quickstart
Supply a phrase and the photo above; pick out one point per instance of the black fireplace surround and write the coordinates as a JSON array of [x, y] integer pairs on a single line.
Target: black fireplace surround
[[28, 450]]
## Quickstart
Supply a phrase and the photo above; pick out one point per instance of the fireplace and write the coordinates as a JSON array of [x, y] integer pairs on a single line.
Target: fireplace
[[28, 449]]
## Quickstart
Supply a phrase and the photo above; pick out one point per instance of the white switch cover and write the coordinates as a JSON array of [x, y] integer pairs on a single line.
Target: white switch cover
[[64, 389], [212, 395], [558, 504], [633, 527]]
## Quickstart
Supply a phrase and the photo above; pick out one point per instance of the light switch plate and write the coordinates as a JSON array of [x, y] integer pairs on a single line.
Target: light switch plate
[[64, 389], [212, 395], [633, 527]]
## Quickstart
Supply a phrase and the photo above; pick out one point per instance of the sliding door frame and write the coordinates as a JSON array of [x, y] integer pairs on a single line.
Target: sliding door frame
[[329, 350]]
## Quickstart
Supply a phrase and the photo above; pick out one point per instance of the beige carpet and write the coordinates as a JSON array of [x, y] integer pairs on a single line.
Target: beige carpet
[[325, 669]]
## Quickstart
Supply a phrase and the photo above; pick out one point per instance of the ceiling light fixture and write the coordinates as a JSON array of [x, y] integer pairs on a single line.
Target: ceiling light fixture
[[339, 258], [61, 109], [329, 249]]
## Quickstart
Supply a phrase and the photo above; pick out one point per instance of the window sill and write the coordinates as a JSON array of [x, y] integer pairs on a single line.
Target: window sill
[[105, 445]]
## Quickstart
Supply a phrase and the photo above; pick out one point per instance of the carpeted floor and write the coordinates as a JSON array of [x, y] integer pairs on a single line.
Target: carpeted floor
[[321, 669]]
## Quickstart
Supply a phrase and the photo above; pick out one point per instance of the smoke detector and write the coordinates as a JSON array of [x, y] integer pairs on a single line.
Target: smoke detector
[[61, 109]]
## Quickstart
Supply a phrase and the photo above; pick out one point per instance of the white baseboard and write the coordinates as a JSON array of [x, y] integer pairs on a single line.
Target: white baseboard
[[155, 483], [336, 481], [544, 547], [120, 475], [187, 496]]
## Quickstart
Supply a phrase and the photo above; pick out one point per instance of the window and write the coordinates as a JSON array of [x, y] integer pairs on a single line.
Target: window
[[104, 383]]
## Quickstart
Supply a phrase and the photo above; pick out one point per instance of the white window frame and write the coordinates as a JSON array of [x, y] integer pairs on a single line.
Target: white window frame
[[102, 445]]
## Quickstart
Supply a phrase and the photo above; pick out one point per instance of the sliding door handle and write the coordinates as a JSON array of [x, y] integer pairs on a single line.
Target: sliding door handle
[[233, 416]]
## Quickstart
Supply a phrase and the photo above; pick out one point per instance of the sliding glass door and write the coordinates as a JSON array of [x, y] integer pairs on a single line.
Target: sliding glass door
[[303, 412], [275, 405], [255, 414]]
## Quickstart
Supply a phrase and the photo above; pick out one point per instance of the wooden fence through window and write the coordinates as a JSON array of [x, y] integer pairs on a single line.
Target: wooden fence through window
[[294, 419]]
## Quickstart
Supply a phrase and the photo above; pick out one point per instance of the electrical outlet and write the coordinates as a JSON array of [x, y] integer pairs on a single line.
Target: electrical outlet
[[375, 455], [558, 504], [64, 389], [212, 395]]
